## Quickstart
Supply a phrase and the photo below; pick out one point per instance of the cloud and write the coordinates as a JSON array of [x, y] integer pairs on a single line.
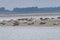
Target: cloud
[[10, 4]]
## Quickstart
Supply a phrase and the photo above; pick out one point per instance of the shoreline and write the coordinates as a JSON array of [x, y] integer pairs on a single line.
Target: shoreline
[[28, 14], [32, 21]]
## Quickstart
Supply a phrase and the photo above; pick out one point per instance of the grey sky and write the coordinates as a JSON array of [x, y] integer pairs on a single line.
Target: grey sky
[[10, 4]]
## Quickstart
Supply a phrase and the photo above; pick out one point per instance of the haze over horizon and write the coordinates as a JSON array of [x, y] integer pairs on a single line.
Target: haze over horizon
[[10, 4]]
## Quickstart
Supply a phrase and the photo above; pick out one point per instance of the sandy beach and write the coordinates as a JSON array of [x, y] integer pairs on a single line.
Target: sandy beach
[[31, 21]]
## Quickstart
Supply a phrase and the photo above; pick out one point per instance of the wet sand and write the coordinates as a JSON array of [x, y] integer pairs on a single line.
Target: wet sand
[[31, 21]]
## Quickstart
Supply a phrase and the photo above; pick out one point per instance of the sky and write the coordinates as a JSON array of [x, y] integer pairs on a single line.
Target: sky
[[10, 4]]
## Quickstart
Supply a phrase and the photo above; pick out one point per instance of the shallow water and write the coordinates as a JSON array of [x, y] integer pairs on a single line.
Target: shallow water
[[29, 33]]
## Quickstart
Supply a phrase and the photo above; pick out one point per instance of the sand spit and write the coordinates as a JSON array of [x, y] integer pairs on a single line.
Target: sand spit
[[31, 22]]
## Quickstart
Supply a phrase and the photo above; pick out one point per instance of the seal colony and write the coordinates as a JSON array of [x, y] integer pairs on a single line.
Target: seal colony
[[31, 21]]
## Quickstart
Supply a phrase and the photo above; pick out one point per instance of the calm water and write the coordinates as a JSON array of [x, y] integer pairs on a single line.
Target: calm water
[[29, 33]]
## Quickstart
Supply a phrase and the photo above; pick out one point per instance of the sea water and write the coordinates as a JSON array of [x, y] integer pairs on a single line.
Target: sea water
[[29, 33]]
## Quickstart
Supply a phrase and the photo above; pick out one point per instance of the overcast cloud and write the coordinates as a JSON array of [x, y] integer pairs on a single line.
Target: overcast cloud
[[10, 4]]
